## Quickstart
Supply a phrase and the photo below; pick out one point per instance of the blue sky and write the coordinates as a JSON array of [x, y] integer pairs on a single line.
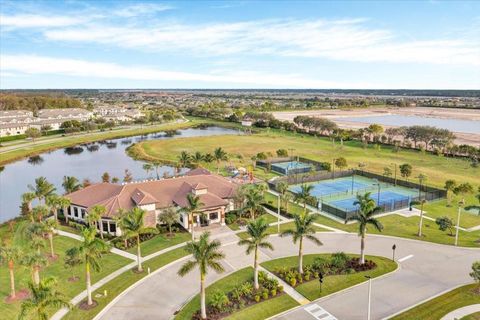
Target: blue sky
[[240, 44]]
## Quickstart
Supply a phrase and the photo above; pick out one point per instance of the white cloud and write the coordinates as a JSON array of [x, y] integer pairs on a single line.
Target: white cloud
[[38, 21], [40, 65], [141, 9], [344, 39]]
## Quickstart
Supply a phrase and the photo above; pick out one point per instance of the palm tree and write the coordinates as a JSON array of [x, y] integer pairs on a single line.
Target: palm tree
[[282, 189], [148, 167], [27, 198], [197, 158], [304, 195], [206, 254], [449, 187], [193, 205], [39, 212], [364, 217], [64, 203], [42, 188], [10, 255], [132, 226], [94, 217], [303, 229], [253, 201], [219, 155], [35, 261], [89, 251], [169, 216], [53, 201], [43, 299], [49, 227], [257, 231], [184, 159], [70, 184]]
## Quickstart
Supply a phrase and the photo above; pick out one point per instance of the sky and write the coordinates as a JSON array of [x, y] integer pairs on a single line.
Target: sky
[[240, 44]]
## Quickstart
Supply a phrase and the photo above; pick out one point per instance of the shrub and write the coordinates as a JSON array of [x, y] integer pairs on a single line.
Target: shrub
[[246, 289], [265, 295], [262, 277], [339, 261], [320, 265], [219, 300], [307, 275], [293, 282], [236, 293], [273, 292], [280, 288], [257, 298], [230, 218]]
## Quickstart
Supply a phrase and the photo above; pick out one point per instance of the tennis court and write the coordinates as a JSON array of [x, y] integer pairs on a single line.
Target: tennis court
[[340, 186], [290, 167], [387, 199]]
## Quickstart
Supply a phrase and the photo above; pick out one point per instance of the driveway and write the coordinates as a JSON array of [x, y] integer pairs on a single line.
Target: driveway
[[428, 269]]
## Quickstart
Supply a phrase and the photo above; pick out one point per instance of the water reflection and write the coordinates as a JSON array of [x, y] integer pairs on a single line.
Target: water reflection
[[129, 141], [93, 147], [73, 150], [111, 145], [35, 160]]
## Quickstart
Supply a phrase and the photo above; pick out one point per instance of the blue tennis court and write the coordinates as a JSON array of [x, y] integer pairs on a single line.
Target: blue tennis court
[[386, 198], [337, 186], [291, 167]]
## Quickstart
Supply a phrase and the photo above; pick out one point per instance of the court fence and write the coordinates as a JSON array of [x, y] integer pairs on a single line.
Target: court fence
[[424, 192], [314, 166]]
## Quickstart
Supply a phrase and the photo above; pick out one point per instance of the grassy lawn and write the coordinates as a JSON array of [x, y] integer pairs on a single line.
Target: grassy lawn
[[473, 316], [160, 242], [268, 218], [331, 284], [396, 225], [439, 208], [122, 282], [440, 306], [258, 311], [242, 148], [110, 263]]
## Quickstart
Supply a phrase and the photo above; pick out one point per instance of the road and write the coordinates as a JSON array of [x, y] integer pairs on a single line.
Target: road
[[430, 269]]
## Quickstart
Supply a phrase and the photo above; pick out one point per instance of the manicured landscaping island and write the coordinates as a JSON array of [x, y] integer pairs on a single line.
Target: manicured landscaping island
[[339, 271], [442, 305], [242, 299], [70, 281]]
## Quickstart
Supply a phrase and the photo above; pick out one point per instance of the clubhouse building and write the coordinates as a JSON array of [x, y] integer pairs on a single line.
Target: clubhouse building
[[215, 192]]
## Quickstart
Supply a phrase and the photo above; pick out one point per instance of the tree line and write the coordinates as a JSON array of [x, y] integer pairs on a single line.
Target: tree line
[[35, 102]]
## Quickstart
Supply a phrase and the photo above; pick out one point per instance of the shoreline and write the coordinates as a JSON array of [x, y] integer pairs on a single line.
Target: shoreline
[[336, 115]]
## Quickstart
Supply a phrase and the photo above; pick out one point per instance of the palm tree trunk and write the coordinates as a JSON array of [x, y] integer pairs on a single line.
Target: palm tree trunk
[[65, 213], [50, 239], [100, 228], [218, 167], [192, 226], [139, 255], [36, 275], [89, 289], [202, 297], [12, 279], [255, 273], [300, 256], [362, 248]]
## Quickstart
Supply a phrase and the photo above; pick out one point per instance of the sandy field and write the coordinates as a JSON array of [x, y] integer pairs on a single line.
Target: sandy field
[[461, 114]]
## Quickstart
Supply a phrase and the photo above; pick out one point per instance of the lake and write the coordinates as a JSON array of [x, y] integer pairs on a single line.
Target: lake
[[454, 125], [86, 161]]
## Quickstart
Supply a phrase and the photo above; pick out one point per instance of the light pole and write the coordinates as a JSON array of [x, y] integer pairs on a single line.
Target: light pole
[[353, 179], [333, 169], [422, 202], [378, 194], [278, 211], [395, 176], [369, 296], [460, 205]]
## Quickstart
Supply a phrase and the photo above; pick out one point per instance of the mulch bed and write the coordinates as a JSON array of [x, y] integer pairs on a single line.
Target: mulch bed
[[84, 306], [19, 296]]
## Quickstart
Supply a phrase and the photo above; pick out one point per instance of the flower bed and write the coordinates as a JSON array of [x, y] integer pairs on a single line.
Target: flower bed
[[222, 304], [339, 263]]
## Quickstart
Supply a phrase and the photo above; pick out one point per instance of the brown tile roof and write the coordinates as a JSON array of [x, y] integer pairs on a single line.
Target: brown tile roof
[[198, 171], [164, 193]]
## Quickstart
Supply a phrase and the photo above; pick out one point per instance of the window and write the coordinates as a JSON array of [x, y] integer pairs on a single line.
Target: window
[[214, 215], [75, 212], [181, 218], [113, 227], [83, 213], [105, 226]]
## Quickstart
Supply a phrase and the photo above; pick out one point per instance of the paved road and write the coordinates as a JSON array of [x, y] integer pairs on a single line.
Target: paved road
[[431, 270]]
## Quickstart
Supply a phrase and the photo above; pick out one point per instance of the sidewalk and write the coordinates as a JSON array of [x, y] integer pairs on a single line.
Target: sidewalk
[[462, 312]]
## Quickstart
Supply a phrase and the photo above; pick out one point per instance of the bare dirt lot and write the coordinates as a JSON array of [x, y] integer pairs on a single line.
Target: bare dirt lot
[[441, 113]]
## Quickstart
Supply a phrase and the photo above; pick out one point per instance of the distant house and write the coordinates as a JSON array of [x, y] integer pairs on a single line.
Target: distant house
[[65, 114], [247, 122], [6, 115], [215, 192], [12, 129]]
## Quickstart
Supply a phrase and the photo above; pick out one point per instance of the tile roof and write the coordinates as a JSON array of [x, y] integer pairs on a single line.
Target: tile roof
[[164, 193]]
